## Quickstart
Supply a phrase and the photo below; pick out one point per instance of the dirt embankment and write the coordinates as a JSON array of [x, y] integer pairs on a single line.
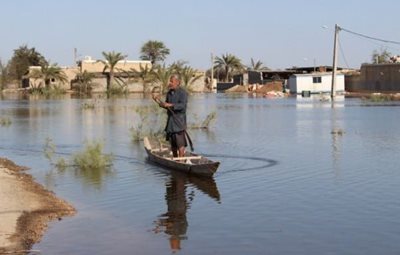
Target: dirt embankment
[[25, 209], [257, 88]]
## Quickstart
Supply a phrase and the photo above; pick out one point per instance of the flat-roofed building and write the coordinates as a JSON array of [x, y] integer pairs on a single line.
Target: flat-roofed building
[[96, 66]]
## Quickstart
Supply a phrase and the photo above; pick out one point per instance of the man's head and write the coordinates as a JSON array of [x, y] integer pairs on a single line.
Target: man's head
[[174, 81]]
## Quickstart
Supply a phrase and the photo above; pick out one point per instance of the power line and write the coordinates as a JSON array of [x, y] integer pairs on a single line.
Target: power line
[[369, 37], [384, 46]]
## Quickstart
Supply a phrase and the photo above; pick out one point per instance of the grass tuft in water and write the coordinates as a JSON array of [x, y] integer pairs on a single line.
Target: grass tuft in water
[[148, 123], [206, 123], [91, 164], [49, 149], [379, 98], [5, 121], [89, 105], [92, 157], [62, 164], [53, 91]]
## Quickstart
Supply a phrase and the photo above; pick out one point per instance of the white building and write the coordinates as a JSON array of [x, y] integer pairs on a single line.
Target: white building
[[315, 83]]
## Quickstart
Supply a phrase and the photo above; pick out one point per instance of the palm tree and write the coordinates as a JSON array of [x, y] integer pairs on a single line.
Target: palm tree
[[84, 80], [162, 75], [145, 73], [154, 51], [111, 60], [53, 73], [188, 77], [256, 66], [47, 74], [178, 66], [228, 64]]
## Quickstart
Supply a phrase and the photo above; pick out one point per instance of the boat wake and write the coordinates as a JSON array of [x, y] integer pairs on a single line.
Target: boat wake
[[265, 162]]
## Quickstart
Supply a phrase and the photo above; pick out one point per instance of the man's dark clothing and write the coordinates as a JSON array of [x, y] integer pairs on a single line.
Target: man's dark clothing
[[177, 140], [177, 121]]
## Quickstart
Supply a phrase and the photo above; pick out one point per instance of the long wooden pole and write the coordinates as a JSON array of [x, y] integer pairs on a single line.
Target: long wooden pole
[[333, 88]]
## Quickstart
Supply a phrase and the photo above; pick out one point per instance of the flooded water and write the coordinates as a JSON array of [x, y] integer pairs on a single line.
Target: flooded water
[[297, 176]]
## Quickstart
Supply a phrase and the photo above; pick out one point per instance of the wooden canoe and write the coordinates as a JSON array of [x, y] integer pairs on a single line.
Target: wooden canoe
[[192, 163]]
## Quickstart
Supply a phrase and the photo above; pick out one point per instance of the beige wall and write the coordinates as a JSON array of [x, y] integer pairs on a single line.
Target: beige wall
[[199, 84], [94, 66], [99, 83], [70, 72], [375, 78]]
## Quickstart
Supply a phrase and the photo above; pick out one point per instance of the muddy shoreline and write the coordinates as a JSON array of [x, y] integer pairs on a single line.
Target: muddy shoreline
[[26, 208]]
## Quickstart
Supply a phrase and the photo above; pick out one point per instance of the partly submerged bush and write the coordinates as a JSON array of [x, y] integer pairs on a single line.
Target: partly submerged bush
[[209, 120], [117, 90], [138, 134], [90, 104], [206, 123], [91, 164], [49, 149], [5, 121], [49, 91], [148, 123], [92, 157], [378, 98]]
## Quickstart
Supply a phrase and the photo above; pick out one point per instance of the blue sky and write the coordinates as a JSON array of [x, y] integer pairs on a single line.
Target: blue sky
[[280, 33]]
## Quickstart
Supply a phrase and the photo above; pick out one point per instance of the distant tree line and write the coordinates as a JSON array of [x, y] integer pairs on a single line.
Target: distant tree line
[[224, 68]]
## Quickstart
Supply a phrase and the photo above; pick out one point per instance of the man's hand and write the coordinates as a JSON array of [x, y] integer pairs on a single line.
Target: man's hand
[[167, 105], [161, 103]]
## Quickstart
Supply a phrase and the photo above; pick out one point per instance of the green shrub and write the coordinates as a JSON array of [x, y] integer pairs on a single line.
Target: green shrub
[[379, 98], [92, 157], [53, 91], [148, 123], [117, 90]]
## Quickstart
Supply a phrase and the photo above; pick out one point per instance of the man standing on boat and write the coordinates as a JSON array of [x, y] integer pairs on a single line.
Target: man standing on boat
[[175, 104]]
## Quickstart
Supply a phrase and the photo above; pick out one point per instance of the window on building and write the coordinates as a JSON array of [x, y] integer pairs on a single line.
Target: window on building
[[317, 79]]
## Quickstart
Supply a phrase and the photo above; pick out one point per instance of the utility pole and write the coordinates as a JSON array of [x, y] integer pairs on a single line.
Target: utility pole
[[333, 89], [315, 67], [75, 56], [212, 71]]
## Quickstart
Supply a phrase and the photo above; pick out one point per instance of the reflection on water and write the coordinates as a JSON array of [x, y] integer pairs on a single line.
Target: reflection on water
[[337, 135], [90, 178], [174, 222]]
